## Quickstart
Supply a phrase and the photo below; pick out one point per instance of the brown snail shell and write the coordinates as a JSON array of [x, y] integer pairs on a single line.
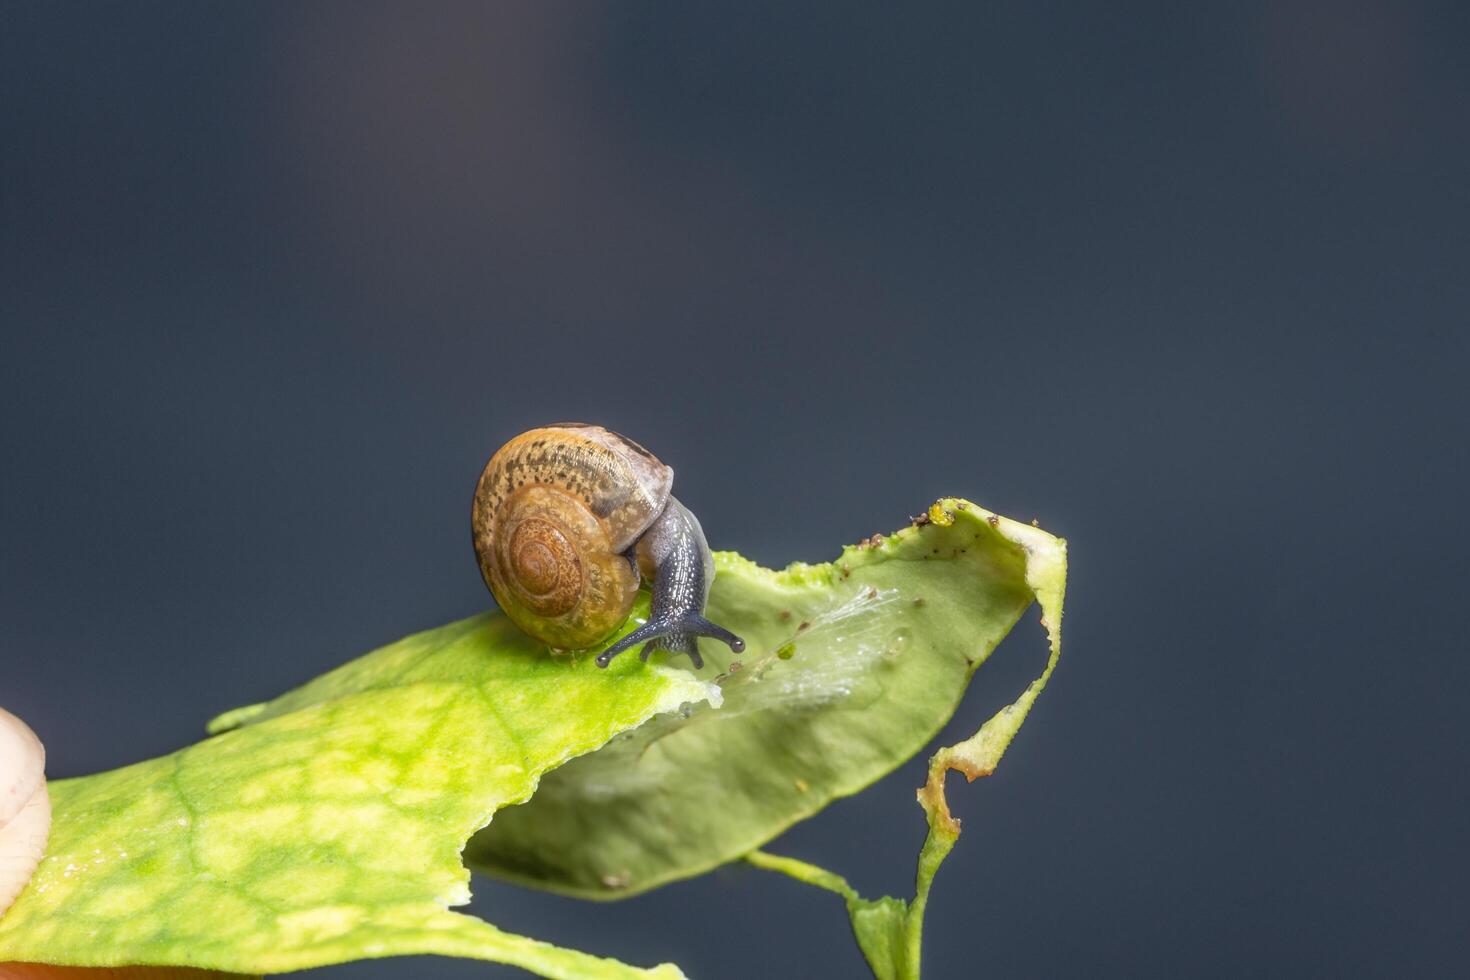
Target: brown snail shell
[[555, 512]]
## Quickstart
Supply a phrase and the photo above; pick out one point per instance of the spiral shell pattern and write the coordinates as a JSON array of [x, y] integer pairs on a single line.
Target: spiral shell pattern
[[555, 510]]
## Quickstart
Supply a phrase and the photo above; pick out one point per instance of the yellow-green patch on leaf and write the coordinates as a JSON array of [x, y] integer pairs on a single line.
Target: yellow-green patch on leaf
[[328, 825]]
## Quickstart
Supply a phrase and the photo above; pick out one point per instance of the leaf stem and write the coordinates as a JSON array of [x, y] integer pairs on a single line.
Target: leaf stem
[[802, 871]]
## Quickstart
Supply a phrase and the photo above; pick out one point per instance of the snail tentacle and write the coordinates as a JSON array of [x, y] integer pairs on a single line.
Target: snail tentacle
[[647, 633], [699, 626], [675, 636]]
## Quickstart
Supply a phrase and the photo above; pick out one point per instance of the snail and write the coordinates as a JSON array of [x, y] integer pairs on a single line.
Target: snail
[[25, 808], [567, 519]]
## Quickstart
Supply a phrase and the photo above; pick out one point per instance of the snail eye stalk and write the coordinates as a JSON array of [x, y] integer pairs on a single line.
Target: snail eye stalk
[[676, 636]]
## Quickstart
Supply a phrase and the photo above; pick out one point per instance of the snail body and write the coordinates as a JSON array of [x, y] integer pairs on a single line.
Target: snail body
[[566, 520]]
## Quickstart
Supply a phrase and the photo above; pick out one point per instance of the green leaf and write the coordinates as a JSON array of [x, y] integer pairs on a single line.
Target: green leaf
[[327, 825], [888, 930], [851, 668]]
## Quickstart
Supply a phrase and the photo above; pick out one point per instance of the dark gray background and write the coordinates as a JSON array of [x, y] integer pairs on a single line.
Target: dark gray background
[[1187, 282]]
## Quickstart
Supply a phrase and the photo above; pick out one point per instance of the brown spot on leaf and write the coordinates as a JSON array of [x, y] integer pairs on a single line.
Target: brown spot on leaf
[[931, 794]]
